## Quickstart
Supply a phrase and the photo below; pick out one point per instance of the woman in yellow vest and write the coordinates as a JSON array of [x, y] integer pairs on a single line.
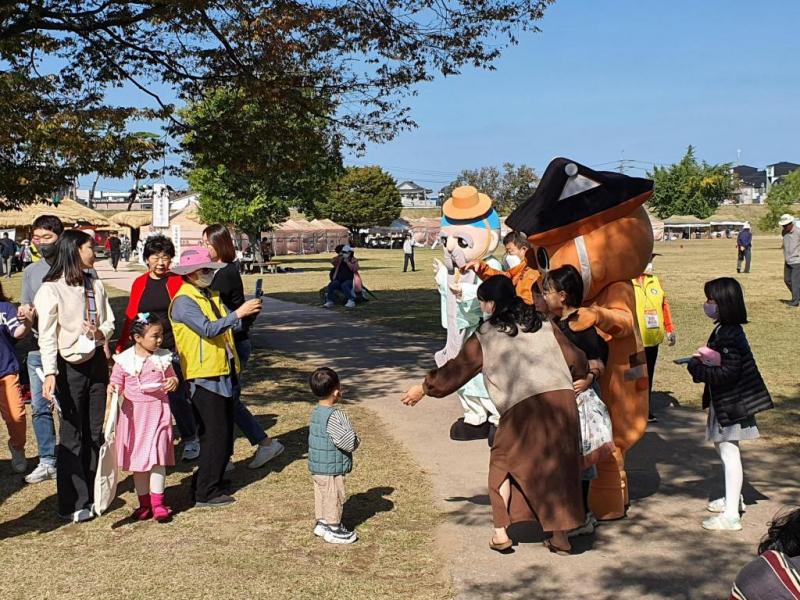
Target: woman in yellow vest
[[203, 331], [655, 321]]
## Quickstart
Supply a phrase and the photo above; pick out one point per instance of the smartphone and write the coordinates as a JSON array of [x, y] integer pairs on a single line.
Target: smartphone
[[259, 288], [56, 405], [682, 361]]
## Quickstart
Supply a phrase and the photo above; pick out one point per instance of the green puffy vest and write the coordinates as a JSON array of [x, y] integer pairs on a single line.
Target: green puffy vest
[[324, 458]]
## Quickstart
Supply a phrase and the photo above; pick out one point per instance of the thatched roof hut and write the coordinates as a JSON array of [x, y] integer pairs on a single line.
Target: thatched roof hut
[[68, 210], [132, 218]]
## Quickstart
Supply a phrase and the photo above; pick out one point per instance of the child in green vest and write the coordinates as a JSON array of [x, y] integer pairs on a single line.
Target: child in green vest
[[331, 442]]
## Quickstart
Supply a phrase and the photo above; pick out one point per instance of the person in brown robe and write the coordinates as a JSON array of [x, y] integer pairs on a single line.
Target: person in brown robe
[[528, 366]]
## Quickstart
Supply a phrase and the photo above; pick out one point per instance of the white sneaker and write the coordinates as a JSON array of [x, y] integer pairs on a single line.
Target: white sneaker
[[79, 516], [19, 464], [229, 467], [350, 304], [340, 535], [328, 304], [723, 523], [191, 450], [41, 473], [320, 528], [264, 454], [718, 505]]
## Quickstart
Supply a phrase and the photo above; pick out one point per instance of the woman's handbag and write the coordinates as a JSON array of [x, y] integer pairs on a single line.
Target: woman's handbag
[[107, 477], [597, 438]]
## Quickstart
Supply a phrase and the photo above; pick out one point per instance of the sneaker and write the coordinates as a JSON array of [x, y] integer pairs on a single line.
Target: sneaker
[[651, 418], [328, 304], [191, 450], [718, 505], [723, 523], [79, 516], [219, 501], [230, 466], [264, 454], [320, 528], [350, 304], [19, 464], [586, 529], [42, 472], [340, 535]]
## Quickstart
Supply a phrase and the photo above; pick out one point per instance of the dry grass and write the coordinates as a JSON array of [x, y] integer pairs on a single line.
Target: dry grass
[[409, 302], [260, 547]]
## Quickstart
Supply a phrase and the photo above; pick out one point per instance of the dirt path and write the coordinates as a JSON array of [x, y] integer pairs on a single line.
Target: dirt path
[[659, 551]]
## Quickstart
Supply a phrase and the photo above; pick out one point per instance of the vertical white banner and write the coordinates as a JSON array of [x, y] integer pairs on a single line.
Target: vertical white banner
[[176, 240], [160, 205]]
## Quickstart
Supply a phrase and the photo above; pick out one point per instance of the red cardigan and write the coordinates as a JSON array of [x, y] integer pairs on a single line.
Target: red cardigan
[[174, 283]]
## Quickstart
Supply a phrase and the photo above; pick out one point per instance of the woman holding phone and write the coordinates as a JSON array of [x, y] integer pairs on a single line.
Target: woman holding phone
[[228, 282], [74, 366]]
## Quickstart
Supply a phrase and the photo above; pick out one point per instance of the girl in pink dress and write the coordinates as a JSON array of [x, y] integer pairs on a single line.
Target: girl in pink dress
[[143, 376]]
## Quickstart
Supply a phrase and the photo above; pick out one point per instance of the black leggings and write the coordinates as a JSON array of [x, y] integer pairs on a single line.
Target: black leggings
[[214, 415]]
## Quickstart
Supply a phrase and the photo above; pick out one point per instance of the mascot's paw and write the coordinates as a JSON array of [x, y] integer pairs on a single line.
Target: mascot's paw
[[464, 432], [586, 318]]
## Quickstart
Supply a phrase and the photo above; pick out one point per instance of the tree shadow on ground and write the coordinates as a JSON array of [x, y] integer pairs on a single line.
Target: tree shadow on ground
[[361, 507]]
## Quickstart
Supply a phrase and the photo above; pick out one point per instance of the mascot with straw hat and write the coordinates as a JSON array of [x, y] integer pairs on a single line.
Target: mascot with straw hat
[[595, 221], [470, 231]]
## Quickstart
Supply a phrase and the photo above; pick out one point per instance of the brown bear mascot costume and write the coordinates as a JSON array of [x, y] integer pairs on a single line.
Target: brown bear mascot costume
[[595, 221]]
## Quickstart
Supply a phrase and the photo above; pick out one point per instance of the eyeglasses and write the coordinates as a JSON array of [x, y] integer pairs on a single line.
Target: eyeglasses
[[159, 259]]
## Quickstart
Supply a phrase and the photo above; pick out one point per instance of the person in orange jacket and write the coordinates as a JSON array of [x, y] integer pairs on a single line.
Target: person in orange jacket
[[519, 270], [655, 322]]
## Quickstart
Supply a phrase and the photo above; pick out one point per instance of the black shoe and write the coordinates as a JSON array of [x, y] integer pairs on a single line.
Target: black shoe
[[492, 431], [218, 501], [651, 418], [464, 432]]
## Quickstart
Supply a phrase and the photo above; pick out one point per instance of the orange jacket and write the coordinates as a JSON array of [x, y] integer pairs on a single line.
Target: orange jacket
[[522, 276]]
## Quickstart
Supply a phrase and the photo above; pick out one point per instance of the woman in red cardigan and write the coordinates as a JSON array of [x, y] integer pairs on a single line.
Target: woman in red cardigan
[[152, 293]]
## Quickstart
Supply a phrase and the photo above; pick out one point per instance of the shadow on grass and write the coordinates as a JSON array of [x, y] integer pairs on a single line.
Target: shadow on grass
[[361, 507]]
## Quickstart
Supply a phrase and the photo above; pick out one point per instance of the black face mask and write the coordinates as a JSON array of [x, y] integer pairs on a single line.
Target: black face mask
[[48, 251]]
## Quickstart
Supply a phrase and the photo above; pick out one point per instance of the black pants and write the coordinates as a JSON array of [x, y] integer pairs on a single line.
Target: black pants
[[82, 395], [744, 257], [651, 353], [115, 256], [214, 415], [409, 259]]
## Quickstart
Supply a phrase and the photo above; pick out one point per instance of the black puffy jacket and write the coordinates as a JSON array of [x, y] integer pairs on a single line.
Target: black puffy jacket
[[736, 387]]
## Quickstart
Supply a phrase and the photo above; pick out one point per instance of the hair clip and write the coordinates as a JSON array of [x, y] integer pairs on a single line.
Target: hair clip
[[142, 317]]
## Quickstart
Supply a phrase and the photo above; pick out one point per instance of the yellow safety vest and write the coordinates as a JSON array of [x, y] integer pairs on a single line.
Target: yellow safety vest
[[203, 357], [650, 310]]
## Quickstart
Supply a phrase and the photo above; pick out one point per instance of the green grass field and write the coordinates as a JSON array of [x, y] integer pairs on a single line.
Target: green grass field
[[408, 302]]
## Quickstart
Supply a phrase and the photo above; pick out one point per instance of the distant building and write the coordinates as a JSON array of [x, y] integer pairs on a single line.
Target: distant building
[[754, 184], [184, 199], [415, 196], [776, 171]]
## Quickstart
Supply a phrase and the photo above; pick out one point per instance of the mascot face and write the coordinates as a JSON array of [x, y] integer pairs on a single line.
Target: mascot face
[[470, 227], [592, 220]]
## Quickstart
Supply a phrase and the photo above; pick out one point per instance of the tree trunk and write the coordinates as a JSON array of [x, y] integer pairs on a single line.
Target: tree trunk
[[255, 244], [134, 193], [90, 199]]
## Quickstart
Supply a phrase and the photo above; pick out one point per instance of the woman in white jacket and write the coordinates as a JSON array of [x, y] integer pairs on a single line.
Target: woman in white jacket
[[75, 320]]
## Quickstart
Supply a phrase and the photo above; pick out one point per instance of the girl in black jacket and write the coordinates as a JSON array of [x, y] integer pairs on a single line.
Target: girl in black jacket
[[734, 392]]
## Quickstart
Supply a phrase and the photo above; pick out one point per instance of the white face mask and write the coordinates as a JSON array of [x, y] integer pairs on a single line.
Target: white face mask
[[204, 279], [648, 270], [486, 315], [512, 261]]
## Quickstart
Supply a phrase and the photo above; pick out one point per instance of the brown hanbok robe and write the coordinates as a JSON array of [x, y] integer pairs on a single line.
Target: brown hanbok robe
[[529, 377]]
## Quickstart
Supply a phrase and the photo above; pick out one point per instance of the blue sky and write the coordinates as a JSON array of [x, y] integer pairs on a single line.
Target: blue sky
[[611, 79]]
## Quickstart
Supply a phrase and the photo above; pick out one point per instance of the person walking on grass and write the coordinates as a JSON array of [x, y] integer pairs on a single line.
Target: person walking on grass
[[143, 376], [331, 443], [203, 331], [744, 243], [791, 257], [408, 252], [12, 408], [734, 392], [75, 320]]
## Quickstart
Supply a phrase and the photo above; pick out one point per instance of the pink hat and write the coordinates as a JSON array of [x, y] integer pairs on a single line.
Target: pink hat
[[193, 259]]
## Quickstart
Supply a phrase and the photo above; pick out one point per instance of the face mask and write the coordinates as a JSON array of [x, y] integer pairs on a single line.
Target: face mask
[[486, 315], [648, 270], [47, 251], [512, 261], [711, 310], [204, 279]]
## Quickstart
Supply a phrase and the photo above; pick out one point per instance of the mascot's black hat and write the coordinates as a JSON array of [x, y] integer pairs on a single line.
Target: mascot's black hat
[[572, 200]]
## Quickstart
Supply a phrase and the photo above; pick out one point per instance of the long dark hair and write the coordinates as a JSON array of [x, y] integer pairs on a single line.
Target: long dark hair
[[728, 295], [566, 279], [783, 534], [510, 311], [67, 261], [219, 237]]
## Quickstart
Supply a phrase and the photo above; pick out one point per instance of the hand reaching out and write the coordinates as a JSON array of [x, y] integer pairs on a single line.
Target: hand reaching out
[[413, 395]]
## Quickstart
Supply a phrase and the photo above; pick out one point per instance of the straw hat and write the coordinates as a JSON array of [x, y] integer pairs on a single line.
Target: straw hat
[[466, 203]]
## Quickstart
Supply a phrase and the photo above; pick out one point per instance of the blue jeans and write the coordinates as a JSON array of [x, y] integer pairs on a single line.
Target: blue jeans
[[41, 414], [346, 288], [242, 417], [180, 405]]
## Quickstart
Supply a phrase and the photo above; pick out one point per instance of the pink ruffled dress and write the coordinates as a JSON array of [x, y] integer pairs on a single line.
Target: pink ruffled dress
[[144, 428]]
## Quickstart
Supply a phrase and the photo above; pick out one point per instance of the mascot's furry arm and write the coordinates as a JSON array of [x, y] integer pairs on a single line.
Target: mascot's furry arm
[[610, 313]]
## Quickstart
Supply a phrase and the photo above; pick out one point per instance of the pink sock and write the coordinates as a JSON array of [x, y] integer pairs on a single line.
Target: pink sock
[[157, 500]]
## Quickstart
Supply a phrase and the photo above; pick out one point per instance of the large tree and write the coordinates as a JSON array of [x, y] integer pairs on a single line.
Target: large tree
[[780, 199], [361, 197], [689, 187], [251, 161], [508, 187], [58, 59]]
